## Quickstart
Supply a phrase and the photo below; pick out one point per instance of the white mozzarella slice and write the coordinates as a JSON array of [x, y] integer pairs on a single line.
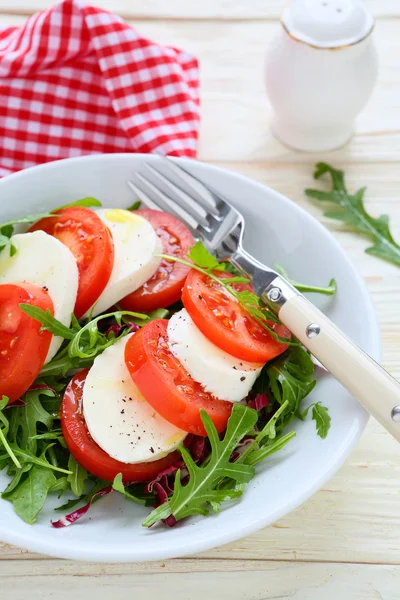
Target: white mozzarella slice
[[118, 417], [223, 375], [135, 243], [45, 261]]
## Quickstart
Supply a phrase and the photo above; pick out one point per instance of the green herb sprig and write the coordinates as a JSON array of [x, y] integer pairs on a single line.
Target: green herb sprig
[[7, 228], [349, 208], [84, 342]]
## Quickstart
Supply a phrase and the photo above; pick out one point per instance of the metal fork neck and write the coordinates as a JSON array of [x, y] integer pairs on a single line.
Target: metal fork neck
[[271, 287]]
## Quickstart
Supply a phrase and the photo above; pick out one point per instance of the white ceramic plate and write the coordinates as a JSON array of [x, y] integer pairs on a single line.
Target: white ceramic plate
[[276, 231]]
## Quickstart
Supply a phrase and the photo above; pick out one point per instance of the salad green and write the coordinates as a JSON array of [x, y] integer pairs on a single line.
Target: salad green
[[350, 209]]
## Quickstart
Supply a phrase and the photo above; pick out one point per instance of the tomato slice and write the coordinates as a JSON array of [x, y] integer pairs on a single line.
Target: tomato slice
[[226, 323], [23, 347], [166, 385], [165, 287], [90, 241], [85, 450]]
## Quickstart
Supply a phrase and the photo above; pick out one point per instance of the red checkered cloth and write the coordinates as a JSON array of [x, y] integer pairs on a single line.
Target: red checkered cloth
[[79, 80]]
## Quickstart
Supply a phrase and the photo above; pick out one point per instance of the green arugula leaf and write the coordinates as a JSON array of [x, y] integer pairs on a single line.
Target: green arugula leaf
[[29, 457], [29, 416], [86, 202], [99, 484], [77, 478], [6, 232], [24, 220], [201, 489], [321, 417], [88, 342], [16, 479], [49, 323], [4, 431], [85, 343], [291, 380], [266, 441], [264, 451], [29, 496], [202, 258], [350, 209], [61, 485], [329, 290], [135, 205], [118, 486], [158, 313]]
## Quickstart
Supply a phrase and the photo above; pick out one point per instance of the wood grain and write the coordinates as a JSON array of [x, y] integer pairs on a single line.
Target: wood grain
[[181, 9], [189, 579]]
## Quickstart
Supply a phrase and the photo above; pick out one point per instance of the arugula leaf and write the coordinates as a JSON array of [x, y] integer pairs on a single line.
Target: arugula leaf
[[29, 457], [29, 496], [321, 417], [99, 484], [27, 219], [77, 477], [16, 479], [85, 343], [61, 485], [329, 290], [49, 323], [5, 240], [350, 209], [158, 313], [291, 380], [86, 202], [88, 342], [135, 205], [202, 258], [29, 416], [200, 494], [266, 441], [4, 433], [118, 486]]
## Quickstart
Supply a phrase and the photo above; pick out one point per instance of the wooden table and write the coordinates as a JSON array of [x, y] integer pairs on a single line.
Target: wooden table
[[345, 541]]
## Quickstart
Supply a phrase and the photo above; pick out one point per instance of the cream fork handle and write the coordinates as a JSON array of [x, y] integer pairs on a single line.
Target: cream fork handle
[[367, 381]]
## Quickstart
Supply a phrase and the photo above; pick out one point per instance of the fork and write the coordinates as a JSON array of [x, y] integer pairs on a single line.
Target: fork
[[220, 226]]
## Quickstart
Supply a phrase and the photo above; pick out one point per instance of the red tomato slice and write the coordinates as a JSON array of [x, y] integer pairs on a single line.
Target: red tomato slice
[[165, 287], [90, 241], [23, 347], [85, 450], [165, 384], [226, 323]]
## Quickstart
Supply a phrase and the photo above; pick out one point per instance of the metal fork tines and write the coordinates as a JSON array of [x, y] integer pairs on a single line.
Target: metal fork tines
[[164, 185]]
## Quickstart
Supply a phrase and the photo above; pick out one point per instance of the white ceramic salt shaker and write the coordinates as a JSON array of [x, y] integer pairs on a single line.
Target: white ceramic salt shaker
[[320, 72]]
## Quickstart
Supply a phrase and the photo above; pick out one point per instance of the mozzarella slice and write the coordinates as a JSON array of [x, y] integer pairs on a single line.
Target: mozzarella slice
[[135, 243], [44, 260], [219, 373], [119, 419]]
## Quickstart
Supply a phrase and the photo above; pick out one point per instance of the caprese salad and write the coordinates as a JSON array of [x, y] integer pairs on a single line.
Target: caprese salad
[[132, 361]]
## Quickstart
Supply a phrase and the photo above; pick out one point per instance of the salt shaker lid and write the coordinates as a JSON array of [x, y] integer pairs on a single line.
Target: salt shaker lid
[[327, 23]]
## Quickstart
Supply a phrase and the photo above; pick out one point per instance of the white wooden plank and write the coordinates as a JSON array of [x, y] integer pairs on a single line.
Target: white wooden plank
[[181, 9], [189, 580], [235, 110]]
